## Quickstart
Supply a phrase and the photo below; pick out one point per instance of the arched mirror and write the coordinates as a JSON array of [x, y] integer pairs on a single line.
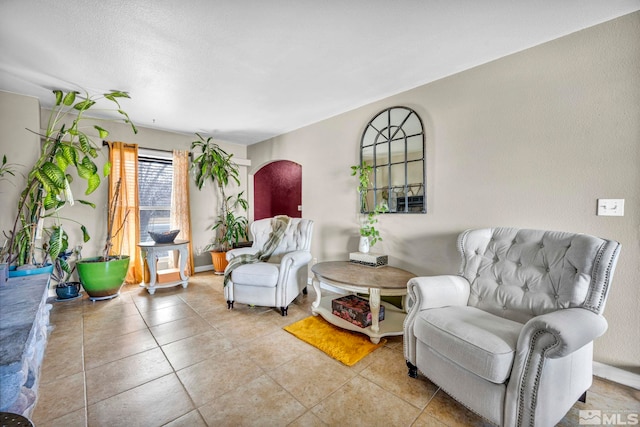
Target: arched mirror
[[393, 145]]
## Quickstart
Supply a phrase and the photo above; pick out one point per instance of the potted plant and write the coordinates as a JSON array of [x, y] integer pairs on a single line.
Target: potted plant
[[102, 276], [212, 163], [64, 266], [66, 148], [369, 234]]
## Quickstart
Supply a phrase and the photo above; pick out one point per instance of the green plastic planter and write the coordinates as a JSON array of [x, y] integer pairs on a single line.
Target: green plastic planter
[[102, 279]]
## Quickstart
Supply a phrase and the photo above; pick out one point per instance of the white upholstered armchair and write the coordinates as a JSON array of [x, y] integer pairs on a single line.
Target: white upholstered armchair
[[280, 280], [511, 335]]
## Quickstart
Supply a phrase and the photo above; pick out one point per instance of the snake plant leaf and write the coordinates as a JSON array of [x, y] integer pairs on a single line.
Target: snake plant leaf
[[92, 183], [102, 132], [86, 202], [85, 234], [84, 105], [69, 98], [58, 94]]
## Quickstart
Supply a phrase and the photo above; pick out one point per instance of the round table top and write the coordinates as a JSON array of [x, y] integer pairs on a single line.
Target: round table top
[[350, 273]]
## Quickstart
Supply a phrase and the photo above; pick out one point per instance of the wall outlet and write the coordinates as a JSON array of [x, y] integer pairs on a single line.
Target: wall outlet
[[611, 207]]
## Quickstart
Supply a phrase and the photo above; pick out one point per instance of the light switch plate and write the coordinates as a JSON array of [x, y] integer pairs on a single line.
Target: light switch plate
[[611, 207]]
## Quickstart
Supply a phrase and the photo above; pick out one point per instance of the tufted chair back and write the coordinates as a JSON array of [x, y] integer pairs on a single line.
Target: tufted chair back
[[297, 236], [519, 274]]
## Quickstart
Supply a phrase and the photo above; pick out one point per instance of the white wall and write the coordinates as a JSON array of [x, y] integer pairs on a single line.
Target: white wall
[[531, 140]]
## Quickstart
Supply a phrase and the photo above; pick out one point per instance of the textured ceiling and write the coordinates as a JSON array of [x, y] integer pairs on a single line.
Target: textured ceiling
[[247, 70]]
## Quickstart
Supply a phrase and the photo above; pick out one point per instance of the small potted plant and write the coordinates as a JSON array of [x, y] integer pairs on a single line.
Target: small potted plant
[[64, 265], [211, 163], [369, 234]]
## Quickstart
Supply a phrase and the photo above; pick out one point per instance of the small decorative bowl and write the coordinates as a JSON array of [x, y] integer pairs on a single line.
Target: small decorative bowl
[[166, 237]]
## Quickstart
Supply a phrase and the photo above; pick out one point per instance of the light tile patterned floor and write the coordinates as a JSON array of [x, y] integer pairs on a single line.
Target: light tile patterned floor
[[180, 358]]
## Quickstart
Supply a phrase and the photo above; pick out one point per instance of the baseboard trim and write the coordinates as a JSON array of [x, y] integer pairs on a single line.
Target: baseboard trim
[[202, 268], [617, 375]]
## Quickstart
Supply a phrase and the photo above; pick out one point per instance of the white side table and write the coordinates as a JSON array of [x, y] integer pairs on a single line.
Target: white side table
[[150, 251]]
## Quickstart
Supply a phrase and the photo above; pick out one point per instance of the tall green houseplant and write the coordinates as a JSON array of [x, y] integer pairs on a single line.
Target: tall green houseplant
[[66, 148], [213, 164]]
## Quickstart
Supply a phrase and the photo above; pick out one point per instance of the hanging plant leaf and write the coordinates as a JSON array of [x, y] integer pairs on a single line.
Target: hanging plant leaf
[[69, 154], [102, 132], [69, 98], [85, 142], [50, 202], [84, 105], [85, 233], [55, 175], [86, 202], [58, 94], [92, 183]]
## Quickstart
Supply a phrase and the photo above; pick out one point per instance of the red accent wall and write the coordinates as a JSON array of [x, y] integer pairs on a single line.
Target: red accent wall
[[277, 190]]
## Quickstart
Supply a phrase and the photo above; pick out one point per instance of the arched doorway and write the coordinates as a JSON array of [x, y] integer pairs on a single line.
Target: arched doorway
[[277, 190]]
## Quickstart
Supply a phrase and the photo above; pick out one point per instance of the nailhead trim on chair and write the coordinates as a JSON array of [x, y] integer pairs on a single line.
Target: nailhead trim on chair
[[598, 307], [526, 372]]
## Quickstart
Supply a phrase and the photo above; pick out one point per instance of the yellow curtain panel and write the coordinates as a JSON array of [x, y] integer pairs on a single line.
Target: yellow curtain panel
[[180, 213], [124, 168]]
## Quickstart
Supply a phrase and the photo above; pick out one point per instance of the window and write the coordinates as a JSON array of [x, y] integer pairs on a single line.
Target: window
[[155, 182]]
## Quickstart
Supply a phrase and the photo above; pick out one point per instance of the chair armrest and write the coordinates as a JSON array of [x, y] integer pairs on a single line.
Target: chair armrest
[[430, 292], [570, 330], [296, 258], [548, 336], [437, 291], [240, 251]]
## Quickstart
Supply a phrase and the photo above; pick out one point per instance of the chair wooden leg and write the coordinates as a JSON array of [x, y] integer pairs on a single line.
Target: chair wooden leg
[[413, 370], [583, 398], [229, 305], [283, 310]]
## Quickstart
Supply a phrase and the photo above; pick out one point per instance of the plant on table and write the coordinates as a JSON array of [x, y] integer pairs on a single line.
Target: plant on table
[[369, 219]]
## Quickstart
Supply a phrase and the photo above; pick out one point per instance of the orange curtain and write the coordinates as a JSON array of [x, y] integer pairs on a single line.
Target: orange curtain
[[180, 213], [124, 167]]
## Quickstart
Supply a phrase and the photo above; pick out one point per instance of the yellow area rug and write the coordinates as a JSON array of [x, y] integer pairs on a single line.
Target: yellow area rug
[[346, 346]]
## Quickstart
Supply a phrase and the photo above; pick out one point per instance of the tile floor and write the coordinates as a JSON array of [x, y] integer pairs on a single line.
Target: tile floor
[[180, 358]]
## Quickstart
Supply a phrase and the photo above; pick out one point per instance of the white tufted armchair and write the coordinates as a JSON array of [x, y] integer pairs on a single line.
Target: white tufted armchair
[[280, 280], [511, 335]]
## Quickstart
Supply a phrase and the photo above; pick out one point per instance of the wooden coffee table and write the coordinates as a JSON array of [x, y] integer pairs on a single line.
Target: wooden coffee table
[[355, 278]]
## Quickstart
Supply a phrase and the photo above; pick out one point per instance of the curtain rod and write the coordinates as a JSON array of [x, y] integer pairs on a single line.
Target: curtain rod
[[106, 143]]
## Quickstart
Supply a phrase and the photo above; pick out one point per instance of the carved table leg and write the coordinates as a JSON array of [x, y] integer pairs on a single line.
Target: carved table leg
[[316, 287]]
